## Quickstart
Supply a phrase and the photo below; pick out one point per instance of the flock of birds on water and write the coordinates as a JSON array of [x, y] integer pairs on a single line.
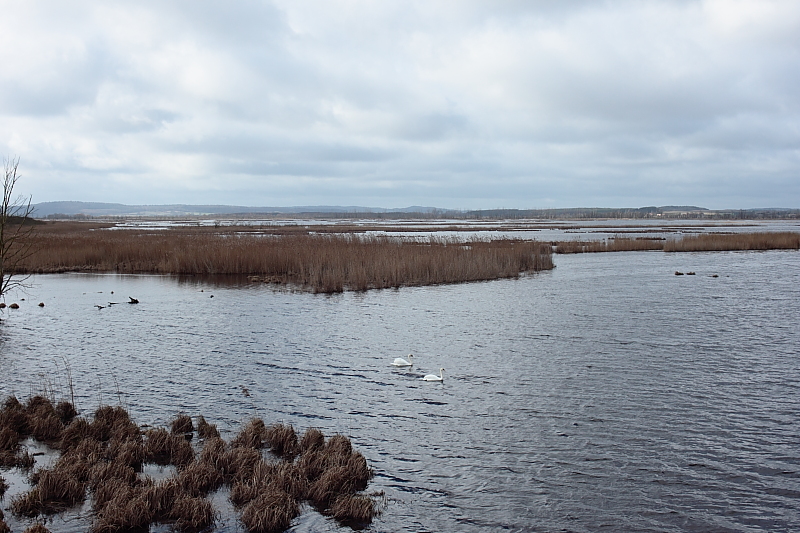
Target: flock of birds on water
[[406, 363]]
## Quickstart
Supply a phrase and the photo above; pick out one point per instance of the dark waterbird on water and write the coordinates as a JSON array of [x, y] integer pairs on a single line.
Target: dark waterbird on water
[[133, 300]]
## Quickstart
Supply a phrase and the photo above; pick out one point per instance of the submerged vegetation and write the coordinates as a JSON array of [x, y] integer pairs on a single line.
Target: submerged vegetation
[[321, 263], [101, 460]]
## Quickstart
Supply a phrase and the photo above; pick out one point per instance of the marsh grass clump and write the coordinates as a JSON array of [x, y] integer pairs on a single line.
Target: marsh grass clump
[[214, 453], [206, 430], [182, 425], [163, 448], [271, 512], [241, 464], [313, 439], [356, 510], [282, 440], [103, 472], [192, 514], [66, 411], [101, 459], [200, 478], [38, 527], [252, 435], [3, 489], [3, 526]]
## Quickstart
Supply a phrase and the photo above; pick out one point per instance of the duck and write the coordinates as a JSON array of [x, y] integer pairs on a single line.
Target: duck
[[399, 361], [434, 377]]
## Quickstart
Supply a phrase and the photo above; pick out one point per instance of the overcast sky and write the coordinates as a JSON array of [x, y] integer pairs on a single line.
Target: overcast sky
[[455, 104]]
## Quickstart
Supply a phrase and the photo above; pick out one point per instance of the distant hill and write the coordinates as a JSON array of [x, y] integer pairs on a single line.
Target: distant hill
[[99, 209]]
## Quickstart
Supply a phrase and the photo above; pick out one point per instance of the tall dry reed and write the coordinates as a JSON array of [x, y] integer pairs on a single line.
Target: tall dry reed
[[321, 263], [737, 241]]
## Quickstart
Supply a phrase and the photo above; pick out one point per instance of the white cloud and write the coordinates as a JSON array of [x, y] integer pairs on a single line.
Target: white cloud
[[448, 103]]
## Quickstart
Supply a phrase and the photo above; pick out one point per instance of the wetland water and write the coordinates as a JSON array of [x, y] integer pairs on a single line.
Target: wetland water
[[607, 394]]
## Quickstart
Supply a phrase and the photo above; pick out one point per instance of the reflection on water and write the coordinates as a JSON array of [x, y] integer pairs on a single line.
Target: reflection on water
[[605, 394]]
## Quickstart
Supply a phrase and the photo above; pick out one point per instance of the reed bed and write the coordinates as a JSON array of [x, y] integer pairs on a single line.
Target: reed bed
[[100, 460], [320, 263], [738, 241], [711, 242]]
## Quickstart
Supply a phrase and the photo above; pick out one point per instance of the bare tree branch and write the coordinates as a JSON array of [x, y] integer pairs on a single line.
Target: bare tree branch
[[15, 228]]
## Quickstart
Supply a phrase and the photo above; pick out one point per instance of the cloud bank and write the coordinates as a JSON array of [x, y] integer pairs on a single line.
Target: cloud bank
[[456, 104]]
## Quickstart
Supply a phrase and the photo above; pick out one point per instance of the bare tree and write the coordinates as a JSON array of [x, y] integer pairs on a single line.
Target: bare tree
[[15, 228]]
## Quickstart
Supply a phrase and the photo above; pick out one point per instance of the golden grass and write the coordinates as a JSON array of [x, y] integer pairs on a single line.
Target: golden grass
[[271, 512], [321, 263]]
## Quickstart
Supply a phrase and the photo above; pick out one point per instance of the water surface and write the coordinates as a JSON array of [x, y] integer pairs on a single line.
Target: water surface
[[607, 394]]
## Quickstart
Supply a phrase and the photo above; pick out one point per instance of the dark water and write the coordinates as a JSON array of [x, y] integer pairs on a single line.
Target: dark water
[[608, 394]]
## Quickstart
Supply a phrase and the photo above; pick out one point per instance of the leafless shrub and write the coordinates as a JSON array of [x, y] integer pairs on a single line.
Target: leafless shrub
[[271, 512]]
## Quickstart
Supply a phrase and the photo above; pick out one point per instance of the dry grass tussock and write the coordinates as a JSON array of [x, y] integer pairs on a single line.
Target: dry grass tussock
[[321, 263], [100, 460]]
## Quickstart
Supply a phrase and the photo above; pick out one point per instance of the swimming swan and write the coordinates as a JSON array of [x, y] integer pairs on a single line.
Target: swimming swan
[[434, 377], [402, 362]]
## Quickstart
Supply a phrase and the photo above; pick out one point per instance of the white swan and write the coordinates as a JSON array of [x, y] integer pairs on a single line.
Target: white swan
[[434, 377], [399, 361]]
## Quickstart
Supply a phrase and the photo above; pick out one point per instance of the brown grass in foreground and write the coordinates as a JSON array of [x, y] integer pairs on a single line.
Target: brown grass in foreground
[[321, 263], [712, 242], [98, 461]]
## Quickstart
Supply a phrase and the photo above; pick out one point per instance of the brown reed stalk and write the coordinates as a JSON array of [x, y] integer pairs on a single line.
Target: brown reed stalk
[[241, 463], [271, 512], [182, 424], [355, 509], [252, 435], [163, 448], [38, 527], [206, 430], [192, 514], [321, 263], [200, 478], [313, 439], [786, 240], [282, 440]]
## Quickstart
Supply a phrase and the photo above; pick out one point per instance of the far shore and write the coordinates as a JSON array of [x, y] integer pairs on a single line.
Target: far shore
[[331, 258]]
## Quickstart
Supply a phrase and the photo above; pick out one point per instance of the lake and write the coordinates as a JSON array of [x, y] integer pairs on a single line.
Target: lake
[[607, 394]]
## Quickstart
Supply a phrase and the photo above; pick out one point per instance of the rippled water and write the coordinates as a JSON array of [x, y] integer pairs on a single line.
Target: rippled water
[[608, 394]]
